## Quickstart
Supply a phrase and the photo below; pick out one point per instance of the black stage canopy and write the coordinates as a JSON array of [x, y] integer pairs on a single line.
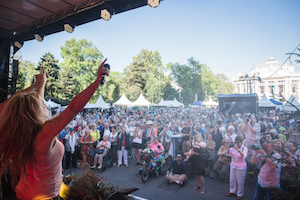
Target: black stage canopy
[[23, 20]]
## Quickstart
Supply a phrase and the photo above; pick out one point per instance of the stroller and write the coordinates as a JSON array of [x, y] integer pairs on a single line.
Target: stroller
[[151, 166]]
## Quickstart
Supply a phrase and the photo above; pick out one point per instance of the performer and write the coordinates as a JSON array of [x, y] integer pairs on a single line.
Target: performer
[[29, 145]]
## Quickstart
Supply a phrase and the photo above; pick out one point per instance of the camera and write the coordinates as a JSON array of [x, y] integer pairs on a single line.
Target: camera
[[231, 145], [247, 120], [257, 147]]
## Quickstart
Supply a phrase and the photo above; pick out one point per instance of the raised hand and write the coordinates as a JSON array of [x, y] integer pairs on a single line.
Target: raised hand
[[102, 70]]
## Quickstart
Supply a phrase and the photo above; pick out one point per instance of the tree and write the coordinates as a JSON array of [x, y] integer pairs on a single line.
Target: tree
[[188, 78], [112, 87], [27, 72], [145, 75], [82, 59], [50, 65], [65, 85], [224, 85]]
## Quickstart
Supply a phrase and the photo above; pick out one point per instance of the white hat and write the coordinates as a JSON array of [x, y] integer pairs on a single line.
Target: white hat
[[149, 122]]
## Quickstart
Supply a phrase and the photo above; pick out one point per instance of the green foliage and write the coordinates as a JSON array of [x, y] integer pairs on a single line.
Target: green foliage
[[146, 75], [195, 78], [26, 74], [112, 88], [50, 65], [82, 59]]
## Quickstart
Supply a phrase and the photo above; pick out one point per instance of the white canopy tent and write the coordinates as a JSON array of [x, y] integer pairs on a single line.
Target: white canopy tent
[[51, 104], [123, 101], [99, 104], [288, 107], [161, 103], [210, 103], [265, 102], [141, 101], [170, 103]]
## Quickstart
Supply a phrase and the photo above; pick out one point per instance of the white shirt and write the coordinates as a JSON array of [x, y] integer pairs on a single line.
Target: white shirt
[[106, 133]]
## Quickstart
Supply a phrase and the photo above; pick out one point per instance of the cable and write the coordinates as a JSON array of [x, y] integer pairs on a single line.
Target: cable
[[288, 58]]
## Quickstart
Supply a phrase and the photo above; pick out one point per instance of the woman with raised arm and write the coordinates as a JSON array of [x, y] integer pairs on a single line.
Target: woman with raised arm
[[29, 145]]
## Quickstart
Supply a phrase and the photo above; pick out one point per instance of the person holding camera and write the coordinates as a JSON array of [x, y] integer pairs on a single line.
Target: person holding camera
[[270, 166], [252, 130], [238, 168]]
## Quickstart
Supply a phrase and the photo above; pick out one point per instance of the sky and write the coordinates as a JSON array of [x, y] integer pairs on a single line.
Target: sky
[[229, 36]]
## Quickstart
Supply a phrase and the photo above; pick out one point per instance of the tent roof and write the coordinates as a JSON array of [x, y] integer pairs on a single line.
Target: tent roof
[[52, 104], [98, 104], [264, 102], [210, 102], [123, 101], [237, 95], [197, 103], [141, 101], [293, 101], [172, 103], [275, 102]]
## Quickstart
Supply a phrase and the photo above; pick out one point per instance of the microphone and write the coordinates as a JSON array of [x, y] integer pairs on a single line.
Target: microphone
[[103, 76]]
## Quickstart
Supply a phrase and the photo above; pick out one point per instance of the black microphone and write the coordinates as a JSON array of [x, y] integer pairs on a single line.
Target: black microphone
[[103, 76]]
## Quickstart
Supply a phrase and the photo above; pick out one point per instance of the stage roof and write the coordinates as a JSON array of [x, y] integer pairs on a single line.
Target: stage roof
[[21, 19]]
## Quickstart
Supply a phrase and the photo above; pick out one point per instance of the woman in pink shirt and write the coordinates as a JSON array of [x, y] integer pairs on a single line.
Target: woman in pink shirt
[[238, 168], [157, 148]]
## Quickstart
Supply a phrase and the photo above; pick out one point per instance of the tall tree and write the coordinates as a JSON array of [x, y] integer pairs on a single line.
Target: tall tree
[[50, 65], [224, 85], [65, 85], [141, 73], [26, 74], [81, 59], [112, 88]]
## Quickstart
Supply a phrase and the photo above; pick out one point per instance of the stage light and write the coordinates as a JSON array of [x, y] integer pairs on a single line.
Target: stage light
[[39, 37], [153, 3], [106, 14], [69, 25], [68, 28], [18, 43]]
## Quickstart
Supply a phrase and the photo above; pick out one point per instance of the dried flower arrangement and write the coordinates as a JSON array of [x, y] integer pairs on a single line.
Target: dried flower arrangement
[[88, 184]]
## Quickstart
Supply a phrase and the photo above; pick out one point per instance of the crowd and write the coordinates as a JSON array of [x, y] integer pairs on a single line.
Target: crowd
[[236, 145]]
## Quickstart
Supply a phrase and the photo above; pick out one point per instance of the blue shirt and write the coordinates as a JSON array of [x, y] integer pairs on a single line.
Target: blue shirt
[[178, 169]]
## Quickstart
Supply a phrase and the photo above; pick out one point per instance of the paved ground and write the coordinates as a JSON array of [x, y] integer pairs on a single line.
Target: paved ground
[[159, 189]]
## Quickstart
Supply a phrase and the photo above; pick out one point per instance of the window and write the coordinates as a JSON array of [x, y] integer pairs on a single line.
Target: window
[[281, 89], [262, 89]]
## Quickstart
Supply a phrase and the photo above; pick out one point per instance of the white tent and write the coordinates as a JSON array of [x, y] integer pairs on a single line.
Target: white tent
[[177, 103], [141, 101], [173, 103], [99, 104], [210, 103], [288, 107], [265, 102], [123, 101], [161, 103], [51, 104]]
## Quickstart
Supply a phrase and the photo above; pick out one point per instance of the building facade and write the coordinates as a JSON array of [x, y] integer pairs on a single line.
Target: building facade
[[272, 79]]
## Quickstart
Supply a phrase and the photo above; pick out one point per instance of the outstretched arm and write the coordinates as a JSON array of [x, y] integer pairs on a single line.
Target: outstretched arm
[[40, 83], [52, 127]]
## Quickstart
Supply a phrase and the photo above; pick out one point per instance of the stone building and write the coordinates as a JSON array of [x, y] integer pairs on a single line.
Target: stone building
[[275, 80]]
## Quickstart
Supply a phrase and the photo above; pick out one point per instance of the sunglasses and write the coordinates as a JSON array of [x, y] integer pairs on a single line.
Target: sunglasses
[[237, 142]]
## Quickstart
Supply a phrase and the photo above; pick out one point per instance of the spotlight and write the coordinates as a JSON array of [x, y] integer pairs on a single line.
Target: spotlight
[[105, 14], [69, 25], [18, 43], [153, 3], [39, 37]]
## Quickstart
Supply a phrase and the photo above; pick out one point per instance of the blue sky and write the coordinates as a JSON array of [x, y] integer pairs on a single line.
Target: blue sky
[[229, 36]]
